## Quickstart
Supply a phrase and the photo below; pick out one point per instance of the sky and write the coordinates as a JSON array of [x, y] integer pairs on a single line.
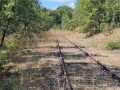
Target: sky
[[53, 4]]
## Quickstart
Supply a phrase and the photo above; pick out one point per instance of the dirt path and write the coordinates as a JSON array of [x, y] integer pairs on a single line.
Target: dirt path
[[37, 65]]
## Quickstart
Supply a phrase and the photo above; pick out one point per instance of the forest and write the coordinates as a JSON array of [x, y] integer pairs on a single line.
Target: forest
[[19, 19]]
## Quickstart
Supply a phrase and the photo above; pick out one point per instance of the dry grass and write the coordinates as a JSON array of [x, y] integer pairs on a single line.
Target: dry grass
[[38, 59], [34, 57], [96, 45]]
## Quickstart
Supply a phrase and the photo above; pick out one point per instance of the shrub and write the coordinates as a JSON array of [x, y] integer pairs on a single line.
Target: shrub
[[113, 45], [90, 27], [118, 24], [56, 26], [104, 27], [4, 54]]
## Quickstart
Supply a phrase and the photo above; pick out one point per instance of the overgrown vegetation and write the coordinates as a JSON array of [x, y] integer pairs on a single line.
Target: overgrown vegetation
[[18, 19], [92, 16], [113, 45], [11, 46], [22, 16], [63, 17], [96, 16]]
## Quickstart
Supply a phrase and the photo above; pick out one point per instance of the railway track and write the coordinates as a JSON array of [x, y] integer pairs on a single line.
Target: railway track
[[111, 73], [63, 80], [85, 72]]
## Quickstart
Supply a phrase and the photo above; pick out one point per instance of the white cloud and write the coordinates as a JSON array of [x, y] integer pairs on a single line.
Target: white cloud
[[72, 5], [60, 0]]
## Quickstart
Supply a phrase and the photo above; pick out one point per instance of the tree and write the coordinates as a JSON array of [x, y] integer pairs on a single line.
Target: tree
[[6, 15], [60, 14], [96, 15], [23, 16]]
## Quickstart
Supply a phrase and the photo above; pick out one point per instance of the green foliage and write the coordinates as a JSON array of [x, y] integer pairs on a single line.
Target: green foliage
[[47, 20], [104, 27], [23, 16], [113, 45], [62, 17], [4, 55], [11, 46], [118, 24], [11, 43], [97, 15], [65, 22]]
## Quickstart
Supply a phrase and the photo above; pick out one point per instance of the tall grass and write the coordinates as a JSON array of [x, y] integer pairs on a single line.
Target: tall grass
[[12, 45]]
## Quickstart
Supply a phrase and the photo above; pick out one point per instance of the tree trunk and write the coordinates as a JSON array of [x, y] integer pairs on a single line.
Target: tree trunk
[[4, 33], [1, 5]]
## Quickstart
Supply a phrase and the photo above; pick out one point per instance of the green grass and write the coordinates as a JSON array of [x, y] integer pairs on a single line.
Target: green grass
[[113, 45]]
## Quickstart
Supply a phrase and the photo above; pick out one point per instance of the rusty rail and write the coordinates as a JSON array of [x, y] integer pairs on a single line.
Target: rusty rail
[[63, 73], [112, 74]]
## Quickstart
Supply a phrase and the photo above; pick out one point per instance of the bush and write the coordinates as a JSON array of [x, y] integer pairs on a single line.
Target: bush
[[56, 26], [4, 54], [118, 24], [12, 44], [113, 45], [104, 27]]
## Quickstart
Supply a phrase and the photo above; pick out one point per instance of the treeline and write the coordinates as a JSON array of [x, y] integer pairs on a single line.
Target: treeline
[[61, 18], [97, 15], [26, 16], [22, 16], [91, 16]]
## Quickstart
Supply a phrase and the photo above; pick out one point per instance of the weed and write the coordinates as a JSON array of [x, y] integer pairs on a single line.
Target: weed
[[113, 45]]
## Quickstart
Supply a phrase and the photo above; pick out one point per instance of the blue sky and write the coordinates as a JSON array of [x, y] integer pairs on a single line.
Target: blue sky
[[53, 4]]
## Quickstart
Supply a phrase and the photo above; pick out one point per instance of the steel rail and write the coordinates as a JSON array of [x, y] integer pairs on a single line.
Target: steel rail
[[112, 74], [65, 74]]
